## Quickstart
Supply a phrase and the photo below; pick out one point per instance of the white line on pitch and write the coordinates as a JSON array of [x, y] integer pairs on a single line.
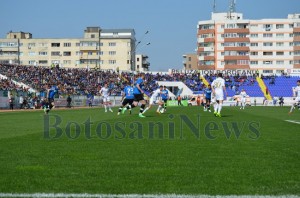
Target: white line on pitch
[[85, 195], [293, 121]]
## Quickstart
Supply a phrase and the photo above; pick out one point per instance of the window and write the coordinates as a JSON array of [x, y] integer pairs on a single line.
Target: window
[[137, 59], [222, 26], [267, 62], [100, 53], [231, 26], [268, 44], [43, 53], [78, 53], [267, 53], [296, 34], [67, 44], [267, 27], [279, 62], [253, 44], [31, 53], [112, 52], [254, 62], [90, 53], [43, 44], [31, 62], [112, 44], [279, 44], [112, 62], [77, 44], [279, 26], [67, 62], [291, 25], [55, 44], [253, 35], [291, 35], [296, 53], [281, 35], [43, 62], [92, 35], [253, 53], [55, 53], [67, 53], [267, 35], [31, 44], [279, 53]]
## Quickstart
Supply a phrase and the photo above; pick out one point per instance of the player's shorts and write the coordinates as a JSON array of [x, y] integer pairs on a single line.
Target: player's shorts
[[165, 101], [208, 100], [219, 96], [297, 99], [50, 100], [243, 100], [127, 101], [106, 99], [153, 101], [138, 97]]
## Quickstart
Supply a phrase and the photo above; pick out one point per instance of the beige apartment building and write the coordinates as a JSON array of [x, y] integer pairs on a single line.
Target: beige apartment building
[[227, 41], [190, 61], [99, 48]]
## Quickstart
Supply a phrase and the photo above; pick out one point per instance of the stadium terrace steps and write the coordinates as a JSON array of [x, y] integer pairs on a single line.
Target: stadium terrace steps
[[282, 85], [263, 88]]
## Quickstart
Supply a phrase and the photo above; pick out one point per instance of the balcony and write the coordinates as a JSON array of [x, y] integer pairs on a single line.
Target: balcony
[[206, 31], [237, 48], [207, 40], [236, 67], [237, 39], [237, 30], [236, 58]]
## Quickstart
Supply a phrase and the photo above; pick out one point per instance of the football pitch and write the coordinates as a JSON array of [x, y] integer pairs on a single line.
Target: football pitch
[[184, 151]]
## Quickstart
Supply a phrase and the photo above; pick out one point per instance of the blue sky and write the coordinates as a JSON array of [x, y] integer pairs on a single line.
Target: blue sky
[[172, 24]]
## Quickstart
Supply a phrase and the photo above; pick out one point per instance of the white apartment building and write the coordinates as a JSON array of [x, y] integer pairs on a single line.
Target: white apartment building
[[228, 41], [99, 48], [141, 63]]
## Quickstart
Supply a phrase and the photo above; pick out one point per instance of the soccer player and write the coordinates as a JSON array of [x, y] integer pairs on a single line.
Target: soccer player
[[127, 98], [46, 106], [296, 95], [243, 96], [104, 92], [207, 96], [138, 93], [50, 95], [156, 99], [164, 97], [218, 89]]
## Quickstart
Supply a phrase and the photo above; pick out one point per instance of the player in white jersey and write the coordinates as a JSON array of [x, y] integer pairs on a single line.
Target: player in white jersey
[[104, 92], [218, 90], [243, 96], [156, 99], [296, 95]]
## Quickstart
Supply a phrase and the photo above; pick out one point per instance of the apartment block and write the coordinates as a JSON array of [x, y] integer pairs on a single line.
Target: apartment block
[[99, 48], [227, 41]]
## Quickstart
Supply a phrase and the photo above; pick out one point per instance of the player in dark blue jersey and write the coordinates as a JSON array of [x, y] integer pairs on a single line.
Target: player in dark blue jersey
[[207, 95], [50, 95], [127, 98], [138, 92], [164, 97]]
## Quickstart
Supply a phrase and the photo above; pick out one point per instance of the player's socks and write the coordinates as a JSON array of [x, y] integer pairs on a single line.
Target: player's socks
[[219, 109], [105, 107], [147, 108], [120, 109], [142, 108]]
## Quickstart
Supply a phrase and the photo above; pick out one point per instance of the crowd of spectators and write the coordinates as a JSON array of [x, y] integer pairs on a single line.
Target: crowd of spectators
[[84, 81]]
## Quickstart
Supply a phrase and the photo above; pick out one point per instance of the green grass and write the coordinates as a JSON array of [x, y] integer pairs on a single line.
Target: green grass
[[263, 160]]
